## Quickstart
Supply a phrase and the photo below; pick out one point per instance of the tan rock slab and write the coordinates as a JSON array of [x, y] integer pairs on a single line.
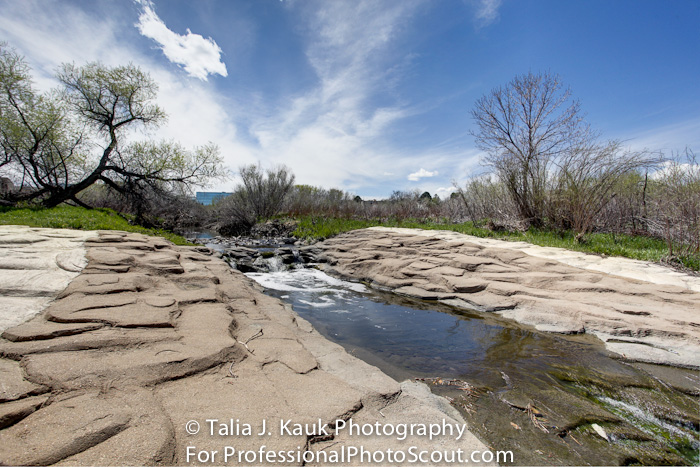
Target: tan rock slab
[[465, 284], [41, 329], [76, 424], [129, 315], [203, 341], [111, 338], [536, 286], [418, 292], [13, 412], [13, 385]]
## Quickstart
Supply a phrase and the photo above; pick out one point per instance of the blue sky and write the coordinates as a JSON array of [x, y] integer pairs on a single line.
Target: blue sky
[[374, 96]]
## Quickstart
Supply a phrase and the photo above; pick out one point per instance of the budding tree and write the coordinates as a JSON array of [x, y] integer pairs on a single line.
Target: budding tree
[[57, 144]]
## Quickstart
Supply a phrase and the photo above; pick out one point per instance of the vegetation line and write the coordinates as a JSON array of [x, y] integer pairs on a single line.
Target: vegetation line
[[71, 217], [312, 227], [552, 180]]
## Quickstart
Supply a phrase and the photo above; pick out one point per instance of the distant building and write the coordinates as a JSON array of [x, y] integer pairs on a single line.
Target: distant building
[[208, 197], [6, 186]]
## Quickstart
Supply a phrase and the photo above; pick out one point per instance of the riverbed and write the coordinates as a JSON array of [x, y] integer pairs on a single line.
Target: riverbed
[[550, 398]]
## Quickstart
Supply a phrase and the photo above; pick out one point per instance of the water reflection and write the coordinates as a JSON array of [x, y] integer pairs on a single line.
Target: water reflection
[[423, 339]]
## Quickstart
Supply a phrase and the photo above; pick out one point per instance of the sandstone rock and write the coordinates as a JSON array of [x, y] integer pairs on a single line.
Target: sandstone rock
[[659, 320], [464, 284], [418, 292], [120, 391], [88, 429], [41, 329], [12, 412], [13, 385]]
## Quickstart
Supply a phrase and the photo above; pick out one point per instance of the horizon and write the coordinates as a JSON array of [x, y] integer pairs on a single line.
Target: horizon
[[375, 97]]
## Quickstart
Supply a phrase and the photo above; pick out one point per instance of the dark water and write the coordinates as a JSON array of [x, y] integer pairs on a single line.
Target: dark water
[[415, 338], [571, 382]]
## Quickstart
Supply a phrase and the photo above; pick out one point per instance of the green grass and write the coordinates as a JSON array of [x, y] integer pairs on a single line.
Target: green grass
[[628, 246], [70, 217]]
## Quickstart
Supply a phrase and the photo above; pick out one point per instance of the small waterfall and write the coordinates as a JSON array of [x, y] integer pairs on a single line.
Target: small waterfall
[[272, 263], [275, 264]]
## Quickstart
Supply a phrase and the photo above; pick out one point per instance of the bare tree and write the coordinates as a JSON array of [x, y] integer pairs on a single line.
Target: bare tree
[[260, 196], [524, 127], [585, 180], [675, 204]]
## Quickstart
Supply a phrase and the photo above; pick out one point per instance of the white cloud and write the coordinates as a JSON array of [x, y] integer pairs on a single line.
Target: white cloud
[[197, 114], [422, 173], [487, 12], [669, 139], [199, 56], [332, 135], [49, 37], [445, 191], [677, 169]]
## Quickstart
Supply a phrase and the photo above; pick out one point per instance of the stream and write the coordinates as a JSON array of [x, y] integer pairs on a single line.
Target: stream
[[551, 399]]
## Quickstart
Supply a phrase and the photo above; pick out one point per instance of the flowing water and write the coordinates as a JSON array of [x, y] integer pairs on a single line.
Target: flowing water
[[551, 399]]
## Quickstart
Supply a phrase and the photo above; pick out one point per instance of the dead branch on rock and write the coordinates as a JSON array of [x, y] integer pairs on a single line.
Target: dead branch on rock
[[255, 336], [230, 370], [533, 413], [246, 346]]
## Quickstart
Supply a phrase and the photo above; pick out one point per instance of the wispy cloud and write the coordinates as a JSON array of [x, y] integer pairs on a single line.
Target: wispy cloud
[[668, 139], [334, 132], [200, 57], [487, 12], [422, 173]]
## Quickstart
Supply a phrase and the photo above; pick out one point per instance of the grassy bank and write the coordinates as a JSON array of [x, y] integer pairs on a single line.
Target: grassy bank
[[70, 217], [627, 246]]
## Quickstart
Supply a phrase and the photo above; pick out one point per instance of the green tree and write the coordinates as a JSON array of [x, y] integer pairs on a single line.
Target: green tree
[[57, 144]]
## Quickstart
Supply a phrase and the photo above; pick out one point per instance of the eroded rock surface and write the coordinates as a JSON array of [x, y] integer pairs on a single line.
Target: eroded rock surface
[[641, 320], [151, 336], [35, 265]]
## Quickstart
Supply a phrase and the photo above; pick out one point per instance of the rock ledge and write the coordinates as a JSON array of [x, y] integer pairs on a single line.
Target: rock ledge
[[150, 337], [647, 320]]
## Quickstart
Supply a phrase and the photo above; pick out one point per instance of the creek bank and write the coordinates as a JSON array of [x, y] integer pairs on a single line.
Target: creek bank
[[641, 321], [546, 395], [150, 336], [551, 403]]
